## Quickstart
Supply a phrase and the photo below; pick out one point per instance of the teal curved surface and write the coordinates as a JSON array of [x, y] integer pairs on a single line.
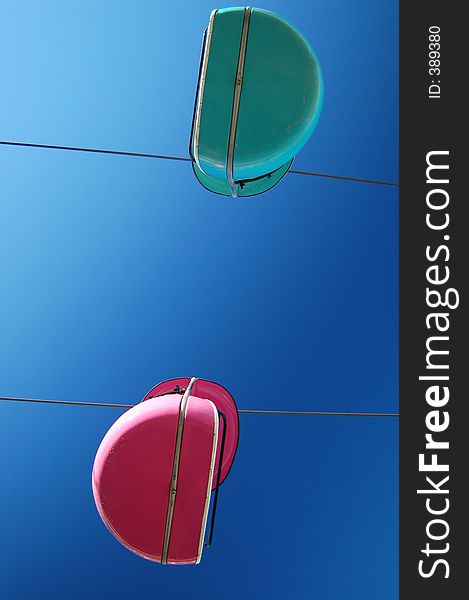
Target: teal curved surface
[[244, 188], [217, 103], [281, 97], [280, 101]]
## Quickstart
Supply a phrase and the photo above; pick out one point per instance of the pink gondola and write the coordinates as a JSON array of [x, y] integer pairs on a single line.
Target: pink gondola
[[157, 465]]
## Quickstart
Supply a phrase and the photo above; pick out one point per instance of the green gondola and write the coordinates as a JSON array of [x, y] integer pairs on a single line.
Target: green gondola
[[259, 96]]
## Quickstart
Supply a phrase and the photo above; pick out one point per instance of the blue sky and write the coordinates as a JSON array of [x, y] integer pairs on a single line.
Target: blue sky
[[117, 273]]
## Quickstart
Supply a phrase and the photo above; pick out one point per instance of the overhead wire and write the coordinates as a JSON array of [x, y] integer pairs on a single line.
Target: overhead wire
[[242, 411], [182, 159]]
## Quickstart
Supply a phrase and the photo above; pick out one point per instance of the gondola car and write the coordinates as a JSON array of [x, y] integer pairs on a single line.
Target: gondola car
[[158, 464], [259, 96]]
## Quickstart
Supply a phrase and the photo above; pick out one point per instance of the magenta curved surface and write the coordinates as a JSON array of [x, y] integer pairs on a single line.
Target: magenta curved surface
[[132, 474], [224, 402]]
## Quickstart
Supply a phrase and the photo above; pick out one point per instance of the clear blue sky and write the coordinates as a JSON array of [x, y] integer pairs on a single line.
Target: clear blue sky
[[117, 273]]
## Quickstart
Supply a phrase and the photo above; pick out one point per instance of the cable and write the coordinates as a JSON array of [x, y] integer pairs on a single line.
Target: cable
[[375, 181], [183, 159], [96, 150], [246, 411], [317, 413], [41, 401]]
